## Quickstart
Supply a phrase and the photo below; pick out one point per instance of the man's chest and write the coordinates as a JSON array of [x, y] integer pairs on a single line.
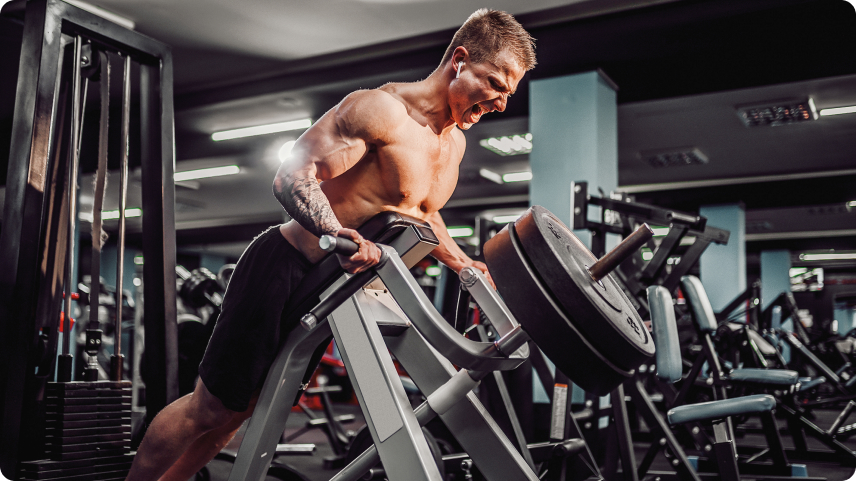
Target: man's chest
[[420, 171]]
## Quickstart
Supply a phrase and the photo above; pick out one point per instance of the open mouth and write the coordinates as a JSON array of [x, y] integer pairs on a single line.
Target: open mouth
[[476, 113]]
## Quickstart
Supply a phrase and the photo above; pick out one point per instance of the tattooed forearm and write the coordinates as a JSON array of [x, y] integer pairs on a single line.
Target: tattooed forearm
[[306, 203]]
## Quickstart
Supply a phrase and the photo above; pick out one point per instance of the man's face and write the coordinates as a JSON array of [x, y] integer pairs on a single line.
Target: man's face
[[482, 88]]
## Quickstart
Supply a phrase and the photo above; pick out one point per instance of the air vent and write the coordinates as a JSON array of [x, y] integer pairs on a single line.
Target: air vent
[[673, 157], [778, 113]]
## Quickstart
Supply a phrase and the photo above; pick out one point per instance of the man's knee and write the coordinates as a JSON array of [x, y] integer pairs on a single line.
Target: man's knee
[[207, 410]]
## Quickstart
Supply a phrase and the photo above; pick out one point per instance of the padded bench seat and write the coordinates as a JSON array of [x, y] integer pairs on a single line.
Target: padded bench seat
[[807, 383], [711, 410], [771, 377]]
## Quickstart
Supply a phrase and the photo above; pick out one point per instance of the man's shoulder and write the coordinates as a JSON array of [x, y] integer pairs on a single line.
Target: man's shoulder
[[376, 100], [373, 114]]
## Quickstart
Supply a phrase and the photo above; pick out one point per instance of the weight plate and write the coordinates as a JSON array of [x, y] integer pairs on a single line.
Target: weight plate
[[599, 310], [545, 322]]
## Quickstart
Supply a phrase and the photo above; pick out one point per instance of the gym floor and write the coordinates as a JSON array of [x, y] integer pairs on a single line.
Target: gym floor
[[312, 468]]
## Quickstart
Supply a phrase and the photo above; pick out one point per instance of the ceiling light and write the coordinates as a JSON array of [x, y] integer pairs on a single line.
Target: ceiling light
[[647, 255], [138, 260], [262, 130], [778, 113], [505, 219], [117, 19], [433, 271], [114, 214], [843, 256], [852, 203], [673, 157], [205, 173], [490, 175], [460, 231], [839, 110], [285, 150], [508, 145], [517, 177]]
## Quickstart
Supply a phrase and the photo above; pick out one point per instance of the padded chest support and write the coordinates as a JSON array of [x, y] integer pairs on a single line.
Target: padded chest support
[[380, 229]]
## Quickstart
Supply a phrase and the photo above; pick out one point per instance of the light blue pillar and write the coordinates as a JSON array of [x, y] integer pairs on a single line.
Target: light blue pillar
[[574, 126], [723, 268], [775, 275]]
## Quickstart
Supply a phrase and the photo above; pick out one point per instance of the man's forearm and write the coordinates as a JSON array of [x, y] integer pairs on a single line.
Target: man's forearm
[[306, 203]]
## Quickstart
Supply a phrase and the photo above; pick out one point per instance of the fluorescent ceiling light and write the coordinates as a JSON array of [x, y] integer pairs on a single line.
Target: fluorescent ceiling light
[[839, 110], [490, 175], [138, 260], [852, 203], [111, 214], [285, 150], [517, 177], [261, 130], [205, 173], [114, 214], [829, 257], [647, 255], [505, 219], [660, 231], [117, 19], [433, 271], [508, 145], [461, 231]]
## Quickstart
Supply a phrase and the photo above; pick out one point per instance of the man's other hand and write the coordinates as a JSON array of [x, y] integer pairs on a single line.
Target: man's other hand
[[367, 256], [482, 267]]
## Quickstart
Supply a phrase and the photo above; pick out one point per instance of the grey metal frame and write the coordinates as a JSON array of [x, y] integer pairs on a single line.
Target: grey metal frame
[[365, 329], [33, 242]]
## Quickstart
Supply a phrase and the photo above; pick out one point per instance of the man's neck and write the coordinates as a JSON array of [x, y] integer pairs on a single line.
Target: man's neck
[[430, 97]]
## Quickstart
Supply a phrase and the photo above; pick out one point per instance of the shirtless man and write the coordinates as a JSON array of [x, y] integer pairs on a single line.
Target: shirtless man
[[397, 148]]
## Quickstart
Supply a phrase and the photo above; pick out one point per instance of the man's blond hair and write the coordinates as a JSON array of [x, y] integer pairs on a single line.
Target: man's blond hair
[[487, 33]]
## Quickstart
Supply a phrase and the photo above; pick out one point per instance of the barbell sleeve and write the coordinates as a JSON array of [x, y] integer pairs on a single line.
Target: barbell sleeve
[[622, 251]]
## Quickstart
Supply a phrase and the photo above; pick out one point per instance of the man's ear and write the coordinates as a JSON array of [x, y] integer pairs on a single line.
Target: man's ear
[[460, 55]]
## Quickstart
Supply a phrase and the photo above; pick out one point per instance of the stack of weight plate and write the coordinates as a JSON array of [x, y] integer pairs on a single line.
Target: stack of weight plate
[[87, 433]]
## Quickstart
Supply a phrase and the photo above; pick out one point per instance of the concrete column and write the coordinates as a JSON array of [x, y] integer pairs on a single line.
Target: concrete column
[[775, 275], [574, 126], [723, 268]]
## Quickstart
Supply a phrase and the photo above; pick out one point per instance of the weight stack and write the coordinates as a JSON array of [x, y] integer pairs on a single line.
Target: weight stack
[[87, 433]]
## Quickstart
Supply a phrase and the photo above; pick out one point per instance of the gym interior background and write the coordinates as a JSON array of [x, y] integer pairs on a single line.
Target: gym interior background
[[690, 125]]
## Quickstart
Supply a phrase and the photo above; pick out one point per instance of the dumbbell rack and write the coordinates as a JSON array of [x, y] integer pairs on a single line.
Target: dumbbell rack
[[87, 433]]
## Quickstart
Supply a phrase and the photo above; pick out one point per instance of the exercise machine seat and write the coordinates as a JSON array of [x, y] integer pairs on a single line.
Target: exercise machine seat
[[699, 303], [771, 377], [669, 365], [720, 409]]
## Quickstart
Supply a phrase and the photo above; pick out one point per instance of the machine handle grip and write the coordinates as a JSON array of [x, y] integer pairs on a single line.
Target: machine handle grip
[[339, 245]]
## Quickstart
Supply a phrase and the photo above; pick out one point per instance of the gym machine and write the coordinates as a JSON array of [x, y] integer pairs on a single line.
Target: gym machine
[[38, 235], [392, 312]]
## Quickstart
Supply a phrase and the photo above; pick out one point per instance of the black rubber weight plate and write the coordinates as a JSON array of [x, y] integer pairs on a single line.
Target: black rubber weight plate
[[600, 310], [542, 318]]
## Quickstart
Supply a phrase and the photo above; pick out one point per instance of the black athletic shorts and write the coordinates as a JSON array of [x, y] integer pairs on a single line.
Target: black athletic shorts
[[248, 332]]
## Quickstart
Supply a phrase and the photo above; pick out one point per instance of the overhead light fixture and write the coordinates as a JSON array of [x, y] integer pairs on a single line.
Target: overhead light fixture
[[778, 113], [138, 260], [433, 271], [505, 219], [832, 256], [460, 231], [517, 177], [261, 130], [111, 214], [285, 150], [852, 203], [673, 157], [490, 175], [839, 110], [206, 173], [117, 19], [647, 255], [508, 145]]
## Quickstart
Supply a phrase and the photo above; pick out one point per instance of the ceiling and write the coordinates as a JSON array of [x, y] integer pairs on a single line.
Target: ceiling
[[681, 67]]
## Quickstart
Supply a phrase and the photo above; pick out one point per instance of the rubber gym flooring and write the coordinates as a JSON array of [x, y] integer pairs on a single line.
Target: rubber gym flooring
[[311, 466]]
